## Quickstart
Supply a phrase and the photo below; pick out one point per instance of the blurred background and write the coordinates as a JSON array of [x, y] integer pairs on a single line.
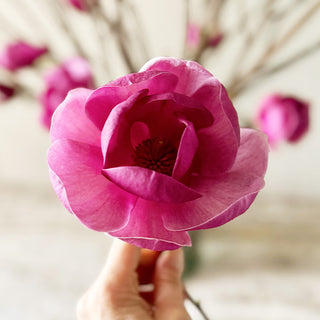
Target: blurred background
[[263, 265]]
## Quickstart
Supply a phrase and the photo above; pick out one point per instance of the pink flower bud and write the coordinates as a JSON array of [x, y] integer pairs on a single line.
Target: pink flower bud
[[283, 118], [193, 35], [71, 74], [216, 40], [6, 92], [82, 5], [20, 54]]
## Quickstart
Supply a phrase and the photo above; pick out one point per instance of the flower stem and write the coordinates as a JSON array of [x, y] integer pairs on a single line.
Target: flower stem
[[196, 304]]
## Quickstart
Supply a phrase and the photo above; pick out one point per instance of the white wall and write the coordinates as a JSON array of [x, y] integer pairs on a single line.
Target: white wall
[[293, 169]]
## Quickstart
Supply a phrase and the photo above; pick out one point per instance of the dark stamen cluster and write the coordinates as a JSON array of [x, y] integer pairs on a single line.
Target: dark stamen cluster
[[157, 154]]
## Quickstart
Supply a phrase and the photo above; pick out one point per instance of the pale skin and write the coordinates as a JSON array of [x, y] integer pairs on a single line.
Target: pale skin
[[116, 293]]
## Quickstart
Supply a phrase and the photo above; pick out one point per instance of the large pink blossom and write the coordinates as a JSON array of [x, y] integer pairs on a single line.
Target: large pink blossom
[[154, 154], [20, 54], [283, 118], [72, 73]]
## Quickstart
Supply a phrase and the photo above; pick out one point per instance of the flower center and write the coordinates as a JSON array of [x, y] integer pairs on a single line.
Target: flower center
[[157, 154]]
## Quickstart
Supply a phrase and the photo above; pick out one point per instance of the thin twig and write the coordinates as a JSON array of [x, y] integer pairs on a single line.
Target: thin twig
[[196, 304], [122, 39], [12, 80], [62, 19], [94, 14], [10, 28], [116, 28], [211, 26], [281, 66], [237, 87], [295, 58], [249, 40], [186, 22], [140, 33]]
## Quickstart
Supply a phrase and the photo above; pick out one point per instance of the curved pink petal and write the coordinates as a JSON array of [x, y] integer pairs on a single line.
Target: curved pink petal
[[189, 144], [70, 121], [59, 189], [173, 105], [115, 136], [150, 185], [219, 143], [145, 229], [191, 75], [213, 88], [97, 202], [227, 195], [230, 213], [139, 131], [104, 99]]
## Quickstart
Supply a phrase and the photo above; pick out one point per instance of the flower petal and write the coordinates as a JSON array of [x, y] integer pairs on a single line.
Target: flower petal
[[191, 75], [218, 143], [188, 147], [150, 185], [145, 229], [175, 105], [97, 202], [104, 99], [227, 195], [206, 90], [116, 134], [70, 122]]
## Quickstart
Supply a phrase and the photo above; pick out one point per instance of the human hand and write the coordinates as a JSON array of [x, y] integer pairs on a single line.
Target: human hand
[[116, 294]]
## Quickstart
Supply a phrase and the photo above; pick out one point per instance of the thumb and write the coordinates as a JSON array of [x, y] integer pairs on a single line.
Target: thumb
[[169, 289]]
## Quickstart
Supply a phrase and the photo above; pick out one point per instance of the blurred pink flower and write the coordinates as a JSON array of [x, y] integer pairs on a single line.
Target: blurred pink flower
[[20, 54], [215, 41], [6, 92], [154, 154], [82, 5], [193, 35], [71, 74], [283, 118]]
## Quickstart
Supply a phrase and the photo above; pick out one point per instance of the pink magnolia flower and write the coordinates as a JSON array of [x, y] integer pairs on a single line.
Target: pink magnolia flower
[[283, 118], [154, 154], [71, 74], [20, 54], [6, 92]]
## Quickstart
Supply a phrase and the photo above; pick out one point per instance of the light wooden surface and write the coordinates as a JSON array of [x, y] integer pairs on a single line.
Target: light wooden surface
[[263, 265]]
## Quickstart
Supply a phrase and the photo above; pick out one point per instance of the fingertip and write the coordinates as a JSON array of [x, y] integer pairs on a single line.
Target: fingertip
[[173, 259], [168, 283], [122, 261]]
